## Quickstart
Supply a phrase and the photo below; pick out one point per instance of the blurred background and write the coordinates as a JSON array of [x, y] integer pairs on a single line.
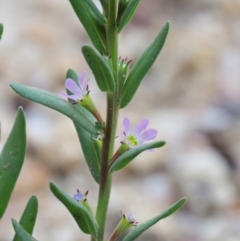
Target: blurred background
[[191, 95]]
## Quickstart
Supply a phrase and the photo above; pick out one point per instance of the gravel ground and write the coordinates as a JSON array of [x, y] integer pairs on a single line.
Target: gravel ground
[[191, 95]]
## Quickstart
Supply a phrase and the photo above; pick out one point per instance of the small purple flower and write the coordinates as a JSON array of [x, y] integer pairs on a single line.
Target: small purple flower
[[139, 134], [78, 90], [78, 196]]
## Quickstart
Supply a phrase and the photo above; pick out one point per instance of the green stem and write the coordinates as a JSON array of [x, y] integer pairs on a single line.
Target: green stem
[[111, 123], [112, 35], [107, 152]]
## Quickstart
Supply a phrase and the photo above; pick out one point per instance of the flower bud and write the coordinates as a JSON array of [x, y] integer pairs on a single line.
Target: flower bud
[[123, 68], [127, 221]]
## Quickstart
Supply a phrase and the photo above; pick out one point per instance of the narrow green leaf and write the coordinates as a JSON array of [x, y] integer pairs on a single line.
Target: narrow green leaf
[[100, 69], [129, 155], [93, 27], [128, 14], [95, 11], [21, 232], [80, 213], [72, 74], [104, 4], [29, 216], [90, 151], [142, 66], [134, 233], [1, 30], [56, 103], [11, 159]]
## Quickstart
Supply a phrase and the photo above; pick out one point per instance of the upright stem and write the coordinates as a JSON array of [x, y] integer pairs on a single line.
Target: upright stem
[[105, 183], [111, 123], [112, 35]]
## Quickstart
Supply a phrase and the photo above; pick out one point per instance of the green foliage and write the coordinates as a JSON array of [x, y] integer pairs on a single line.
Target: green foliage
[[1, 30], [29, 216], [142, 65], [11, 159], [96, 12], [104, 4], [86, 13], [134, 233], [89, 148], [56, 103], [120, 88], [80, 213], [128, 14], [90, 151], [21, 232], [129, 155], [100, 69]]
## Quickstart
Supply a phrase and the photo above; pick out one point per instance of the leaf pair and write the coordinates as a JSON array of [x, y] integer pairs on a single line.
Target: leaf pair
[[80, 213], [82, 119], [26, 224], [21, 232], [103, 73]]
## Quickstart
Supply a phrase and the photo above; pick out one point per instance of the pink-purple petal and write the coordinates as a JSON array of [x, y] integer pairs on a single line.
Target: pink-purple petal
[[81, 78], [141, 126], [72, 86], [75, 97], [63, 95], [126, 124], [66, 96], [78, 196], [148, 135]]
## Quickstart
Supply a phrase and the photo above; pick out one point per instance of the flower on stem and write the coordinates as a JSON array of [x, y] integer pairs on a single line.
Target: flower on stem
[[139, 134], [135, 137], [127, 221], [78, 196], [79, 91], [80, 94]]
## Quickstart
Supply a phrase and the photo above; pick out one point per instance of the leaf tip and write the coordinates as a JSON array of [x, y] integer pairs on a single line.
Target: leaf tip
[[14, 222], [20, 112], [12, 85], [51, 184], [34, 199], [184, 199]]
